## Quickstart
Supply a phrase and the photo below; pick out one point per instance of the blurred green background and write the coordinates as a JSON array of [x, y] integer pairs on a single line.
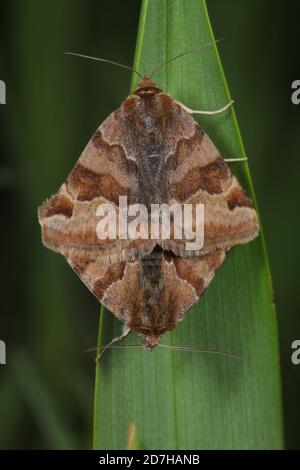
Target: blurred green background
[[54, 104]]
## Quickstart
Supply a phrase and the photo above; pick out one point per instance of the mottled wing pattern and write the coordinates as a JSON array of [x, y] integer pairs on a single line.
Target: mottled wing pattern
[[198, 174], [100, 276], [104, 171], [181, 283]]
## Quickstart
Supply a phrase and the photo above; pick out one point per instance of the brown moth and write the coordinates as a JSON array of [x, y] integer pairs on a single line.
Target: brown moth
[[153, 151]]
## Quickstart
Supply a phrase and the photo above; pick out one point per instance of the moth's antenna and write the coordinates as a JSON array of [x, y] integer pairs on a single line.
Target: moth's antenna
[[171, 346], [115, 346], [202, 350], [125, 346], [195, 49], [98, 59]]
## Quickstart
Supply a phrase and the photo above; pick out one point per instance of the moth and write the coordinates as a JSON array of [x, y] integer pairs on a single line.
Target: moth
[[152, 151]]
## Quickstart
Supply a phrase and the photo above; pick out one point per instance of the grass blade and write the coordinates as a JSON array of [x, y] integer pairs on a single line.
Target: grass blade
[[185, 400]]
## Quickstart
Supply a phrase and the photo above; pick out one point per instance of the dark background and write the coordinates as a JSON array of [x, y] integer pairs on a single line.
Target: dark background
[[54, 104]]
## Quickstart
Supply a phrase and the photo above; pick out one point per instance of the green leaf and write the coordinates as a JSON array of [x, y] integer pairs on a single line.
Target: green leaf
[[188, 400]]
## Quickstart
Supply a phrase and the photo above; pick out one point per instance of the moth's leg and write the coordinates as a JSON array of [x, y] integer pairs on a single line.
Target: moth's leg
[[208, 113], [117, 339], [232, 160]]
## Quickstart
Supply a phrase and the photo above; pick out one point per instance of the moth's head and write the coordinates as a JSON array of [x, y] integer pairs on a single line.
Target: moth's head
[[146, 86], [150, 341], [151, 336]]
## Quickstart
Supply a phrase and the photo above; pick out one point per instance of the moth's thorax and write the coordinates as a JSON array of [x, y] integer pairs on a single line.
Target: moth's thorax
[[150, 107], [148, 110], [146, 116], [152, 317]]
